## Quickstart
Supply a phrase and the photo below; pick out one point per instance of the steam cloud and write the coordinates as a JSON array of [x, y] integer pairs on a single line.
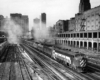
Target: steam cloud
[[14, 31], [41, 33]]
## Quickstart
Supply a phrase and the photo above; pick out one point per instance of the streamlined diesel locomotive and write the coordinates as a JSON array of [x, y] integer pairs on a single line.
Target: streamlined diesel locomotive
[[76, 61]]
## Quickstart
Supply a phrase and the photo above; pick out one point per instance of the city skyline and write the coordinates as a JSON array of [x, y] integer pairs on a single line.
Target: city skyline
[[55, 9]]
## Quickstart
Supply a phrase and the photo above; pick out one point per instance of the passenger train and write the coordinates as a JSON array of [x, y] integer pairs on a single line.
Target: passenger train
[[76, 61]]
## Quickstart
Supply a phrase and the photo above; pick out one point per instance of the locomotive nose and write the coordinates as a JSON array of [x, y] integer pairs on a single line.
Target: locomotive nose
[[83, 62]]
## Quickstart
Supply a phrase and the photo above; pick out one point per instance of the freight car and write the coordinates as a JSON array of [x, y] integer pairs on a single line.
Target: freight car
[[77, 61]]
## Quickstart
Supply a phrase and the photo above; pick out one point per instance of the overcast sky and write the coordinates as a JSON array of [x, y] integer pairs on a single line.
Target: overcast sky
[[55, 9]]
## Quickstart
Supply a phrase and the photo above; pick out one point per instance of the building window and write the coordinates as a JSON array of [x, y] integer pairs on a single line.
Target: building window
[[66, 41], [81, 35], [66, 35], [74, 35], [77, 34], [94, 46], [95, 35], [74, 44], [85, 35], [71, 35], [90, 45], [81, 44], [77, 43], [89, 35], [61, 35], [85, 44]]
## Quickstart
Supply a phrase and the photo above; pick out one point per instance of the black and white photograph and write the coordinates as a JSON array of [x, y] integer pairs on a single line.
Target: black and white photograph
[[49, 39]]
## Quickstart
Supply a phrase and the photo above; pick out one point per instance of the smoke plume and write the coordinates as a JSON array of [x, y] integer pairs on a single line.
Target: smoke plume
[[41, 33], [14, 31]]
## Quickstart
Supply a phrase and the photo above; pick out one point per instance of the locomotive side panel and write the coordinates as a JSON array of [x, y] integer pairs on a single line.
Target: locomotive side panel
[[68, 60], [65, 58]]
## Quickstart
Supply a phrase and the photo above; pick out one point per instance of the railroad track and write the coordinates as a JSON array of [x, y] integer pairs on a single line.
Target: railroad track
[[66, 72], [25, 74], [2, 60], [35, 69], [13, 66], [88, 76], [6, 67], [46, 70], [93, 68]]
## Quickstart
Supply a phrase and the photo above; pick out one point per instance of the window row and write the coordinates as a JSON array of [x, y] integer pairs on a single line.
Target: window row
[[81, 44], [80, 35]]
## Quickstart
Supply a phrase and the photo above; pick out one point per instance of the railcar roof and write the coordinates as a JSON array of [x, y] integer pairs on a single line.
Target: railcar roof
[[68, 53]]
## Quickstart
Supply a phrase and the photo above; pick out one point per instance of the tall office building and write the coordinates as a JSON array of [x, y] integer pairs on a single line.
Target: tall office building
[[21, 20], [43, 18], [84, 5], [25, 20], [15, 15], [36, 22], [1, 20]]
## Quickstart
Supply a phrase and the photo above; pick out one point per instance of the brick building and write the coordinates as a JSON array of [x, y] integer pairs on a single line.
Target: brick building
[[62, 26], [87, 29]]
